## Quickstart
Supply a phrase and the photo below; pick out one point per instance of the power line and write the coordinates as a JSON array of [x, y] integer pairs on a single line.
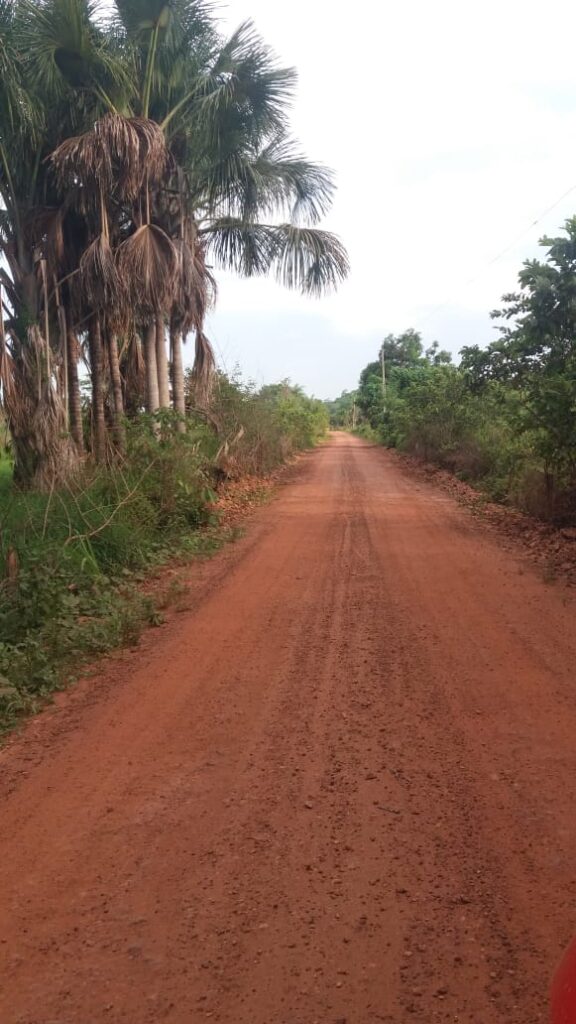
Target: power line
[[495, 259]]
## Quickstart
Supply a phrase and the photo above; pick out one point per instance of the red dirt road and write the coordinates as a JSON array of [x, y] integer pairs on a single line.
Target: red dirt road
[[340, 788]]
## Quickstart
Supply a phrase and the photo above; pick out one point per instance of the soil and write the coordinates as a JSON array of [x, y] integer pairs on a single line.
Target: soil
[[339, 787], [551, 548]]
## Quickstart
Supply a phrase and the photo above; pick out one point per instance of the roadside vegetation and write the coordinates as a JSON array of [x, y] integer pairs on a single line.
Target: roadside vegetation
[[504, 418], [75, 556], [140, 152]]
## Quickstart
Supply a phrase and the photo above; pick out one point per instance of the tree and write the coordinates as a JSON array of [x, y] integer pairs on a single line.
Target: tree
[[402, 350], [536, 351], [132, 152], [342, 410], [38, 351], [221, 105], [399, 355], [370, 394]]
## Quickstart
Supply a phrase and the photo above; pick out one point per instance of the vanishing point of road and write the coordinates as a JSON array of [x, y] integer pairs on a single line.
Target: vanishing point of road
[[340, 787]]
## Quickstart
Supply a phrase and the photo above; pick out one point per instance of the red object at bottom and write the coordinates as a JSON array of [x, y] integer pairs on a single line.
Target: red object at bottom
[[564, 989]]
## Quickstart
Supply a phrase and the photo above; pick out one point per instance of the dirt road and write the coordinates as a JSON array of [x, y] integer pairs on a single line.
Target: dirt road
[[340, 788]]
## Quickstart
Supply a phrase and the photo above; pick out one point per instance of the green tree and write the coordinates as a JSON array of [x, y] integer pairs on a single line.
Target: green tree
[[536, 351], [381, 380], [342, 410], [402, 350], [371, 394], [305, 420]]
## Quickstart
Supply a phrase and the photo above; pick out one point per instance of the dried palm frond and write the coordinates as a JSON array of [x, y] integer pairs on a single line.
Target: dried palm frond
[[99, 275], [133, 368], [154, 155], [117, 137], [83, 159], [195, 291], [55, 247], [203, 370], [138, 151], [210, 287], [119, 155], [43, 229], [147, 265]]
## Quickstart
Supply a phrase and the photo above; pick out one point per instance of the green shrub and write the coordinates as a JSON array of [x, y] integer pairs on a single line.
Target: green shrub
[[257, 429]]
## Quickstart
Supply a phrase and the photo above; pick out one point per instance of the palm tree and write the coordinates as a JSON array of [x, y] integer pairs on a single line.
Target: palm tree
[[54, 64], [131, 153], [30, 356], [222, 107]]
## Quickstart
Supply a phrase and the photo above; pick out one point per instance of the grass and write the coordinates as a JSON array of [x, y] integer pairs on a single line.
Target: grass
[[75, 560]]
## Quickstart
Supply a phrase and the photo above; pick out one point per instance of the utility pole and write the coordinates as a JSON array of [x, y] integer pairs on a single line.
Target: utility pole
[[383, 364]]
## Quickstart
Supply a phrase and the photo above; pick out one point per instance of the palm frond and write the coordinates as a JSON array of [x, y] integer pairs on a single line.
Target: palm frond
[[147, 265], [275, 180], [305, 187], [189, 289], [307, 259], [119, 154], [66, 49], [82, 160], [203, 369], [245, 85], [176, 18], [18, 112], [153, 155], [313, 261], [246, 248], [99, 275]]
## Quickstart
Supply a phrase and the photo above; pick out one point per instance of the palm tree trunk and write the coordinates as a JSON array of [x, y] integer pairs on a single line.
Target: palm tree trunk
[[117, 399], [162, 365], [178, 395], [74, 396], [34, 411], [97, 375], [152, 393]]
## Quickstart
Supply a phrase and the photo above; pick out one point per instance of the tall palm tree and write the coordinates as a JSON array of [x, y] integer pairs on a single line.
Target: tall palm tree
[[55, 64], [222, 105], [31, 393], [132, 152]]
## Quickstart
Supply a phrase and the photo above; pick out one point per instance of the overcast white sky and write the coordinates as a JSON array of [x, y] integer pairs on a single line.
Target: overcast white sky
[[451, 128]]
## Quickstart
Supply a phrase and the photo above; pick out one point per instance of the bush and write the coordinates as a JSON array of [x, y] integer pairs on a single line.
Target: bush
[[485, 437], [256, 430]]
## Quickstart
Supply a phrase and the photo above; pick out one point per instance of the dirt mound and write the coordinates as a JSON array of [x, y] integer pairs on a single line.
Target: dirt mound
[[552, 550]]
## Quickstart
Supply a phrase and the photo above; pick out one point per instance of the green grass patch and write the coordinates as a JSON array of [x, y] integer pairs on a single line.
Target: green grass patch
[[74, 561]]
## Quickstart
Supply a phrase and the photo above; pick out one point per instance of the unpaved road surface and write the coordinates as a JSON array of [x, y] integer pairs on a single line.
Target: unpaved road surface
[[341, 787]]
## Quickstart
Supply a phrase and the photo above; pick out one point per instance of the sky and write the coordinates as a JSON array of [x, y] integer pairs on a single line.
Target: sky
[[451, 128]]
